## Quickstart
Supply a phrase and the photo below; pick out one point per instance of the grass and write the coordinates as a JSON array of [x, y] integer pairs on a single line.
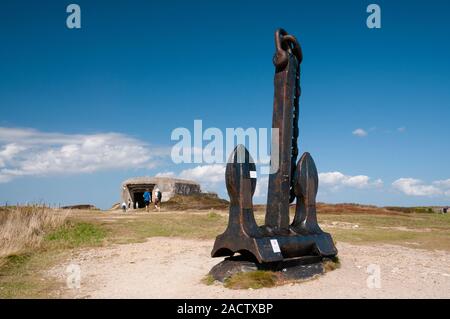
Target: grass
[[196, 201], [412, 220], [186, 225], [208, 280], [331, 264], [252, 280], [214, 216], [417, 230], [352, 208], [412, 209], [76, 234], [22, 275], [375, 226], [265, 278], [34, 239], [22, 229]]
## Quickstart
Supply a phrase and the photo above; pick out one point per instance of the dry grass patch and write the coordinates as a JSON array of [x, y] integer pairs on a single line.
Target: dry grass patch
[[33, 239], [331, 264], [203, 201], [208, 280], [23, 229], [252, 280]]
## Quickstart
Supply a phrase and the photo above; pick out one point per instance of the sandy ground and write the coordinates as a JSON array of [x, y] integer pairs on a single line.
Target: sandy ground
[[173, 268]]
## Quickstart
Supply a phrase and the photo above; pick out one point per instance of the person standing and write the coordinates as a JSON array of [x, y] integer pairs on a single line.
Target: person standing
[[157, 197], [147, 199]]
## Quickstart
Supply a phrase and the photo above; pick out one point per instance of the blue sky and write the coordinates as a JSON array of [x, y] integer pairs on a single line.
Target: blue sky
[[82, 110]]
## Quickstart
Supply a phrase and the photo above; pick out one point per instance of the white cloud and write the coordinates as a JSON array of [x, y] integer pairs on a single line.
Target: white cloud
[[8, 152], [28, 152], [337, 179], [401, 129], [212, 178], [360, 132], [209, 174], [416, 187], [166, 174], [445, 184]]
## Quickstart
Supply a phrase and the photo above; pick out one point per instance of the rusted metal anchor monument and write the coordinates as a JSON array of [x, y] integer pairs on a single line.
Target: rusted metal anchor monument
[[278, 239]]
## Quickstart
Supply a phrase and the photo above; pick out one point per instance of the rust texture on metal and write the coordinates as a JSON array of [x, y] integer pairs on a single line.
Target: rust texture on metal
[[277, 239]]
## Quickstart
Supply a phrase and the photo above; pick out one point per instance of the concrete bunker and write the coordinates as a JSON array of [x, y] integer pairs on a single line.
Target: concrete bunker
[[133, 189]]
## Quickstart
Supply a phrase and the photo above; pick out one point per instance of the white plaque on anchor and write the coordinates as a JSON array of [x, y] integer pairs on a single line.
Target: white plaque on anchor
[[275, 246]]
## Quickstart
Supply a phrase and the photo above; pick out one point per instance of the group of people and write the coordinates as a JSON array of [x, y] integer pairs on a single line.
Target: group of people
[[147, 200], [156, 198]]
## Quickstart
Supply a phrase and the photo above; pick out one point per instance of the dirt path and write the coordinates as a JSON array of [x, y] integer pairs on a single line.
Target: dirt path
[[173, 268]]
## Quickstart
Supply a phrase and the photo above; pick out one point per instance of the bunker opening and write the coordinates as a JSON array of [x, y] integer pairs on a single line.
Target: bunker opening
[[138, 199], [135, 194], [133, 189]]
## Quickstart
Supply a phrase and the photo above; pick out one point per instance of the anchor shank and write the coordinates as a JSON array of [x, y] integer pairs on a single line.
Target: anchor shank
[[277, 214]]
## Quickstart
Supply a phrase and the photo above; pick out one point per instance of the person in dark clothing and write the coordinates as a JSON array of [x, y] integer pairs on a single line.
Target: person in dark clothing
[[157, 198], [445, 209]]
